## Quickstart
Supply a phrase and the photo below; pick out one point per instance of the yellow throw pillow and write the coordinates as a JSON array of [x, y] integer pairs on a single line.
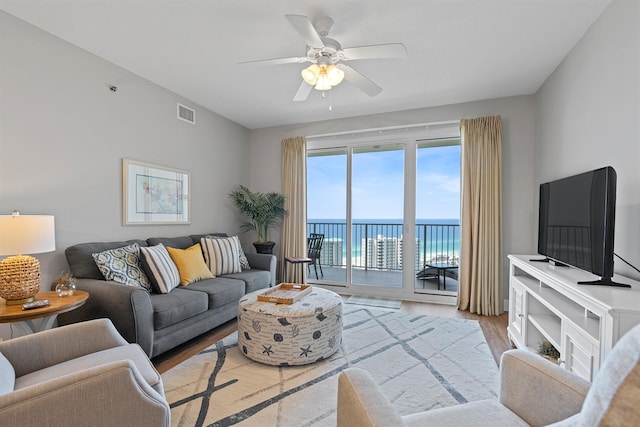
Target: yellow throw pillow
[[190, 263]]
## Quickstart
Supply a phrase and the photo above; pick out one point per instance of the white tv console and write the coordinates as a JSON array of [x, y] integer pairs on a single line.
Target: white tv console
[[583, 322]]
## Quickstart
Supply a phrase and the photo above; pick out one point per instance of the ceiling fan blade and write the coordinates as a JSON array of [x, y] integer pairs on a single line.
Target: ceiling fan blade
[[359, 80], [304, 27], [303, 92], [391, 50], [276, 61]]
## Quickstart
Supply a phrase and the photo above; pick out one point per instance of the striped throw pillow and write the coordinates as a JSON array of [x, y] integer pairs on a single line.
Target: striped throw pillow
[[160, 268], [244, 262], [221, 255]]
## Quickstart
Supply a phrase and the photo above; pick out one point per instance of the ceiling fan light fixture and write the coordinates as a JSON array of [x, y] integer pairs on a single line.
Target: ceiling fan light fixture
[[334, 75], [322, 77], [323, 80], [311, 73]]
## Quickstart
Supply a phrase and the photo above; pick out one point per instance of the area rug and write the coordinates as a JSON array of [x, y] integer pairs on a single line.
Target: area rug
[[374, 301], [420, 362]]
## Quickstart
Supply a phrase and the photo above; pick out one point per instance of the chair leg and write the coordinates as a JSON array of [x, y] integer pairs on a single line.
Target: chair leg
[[315, 268], [320, 265]]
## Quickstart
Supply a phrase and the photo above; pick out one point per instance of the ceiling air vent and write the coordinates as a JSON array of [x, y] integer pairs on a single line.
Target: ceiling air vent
[[186, 114]]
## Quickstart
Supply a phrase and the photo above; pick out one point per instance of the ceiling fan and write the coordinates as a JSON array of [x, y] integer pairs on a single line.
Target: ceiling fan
[[328, 58]]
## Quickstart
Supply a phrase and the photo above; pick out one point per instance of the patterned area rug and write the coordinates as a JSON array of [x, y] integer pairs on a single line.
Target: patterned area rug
[[374, 301], [420, 362]]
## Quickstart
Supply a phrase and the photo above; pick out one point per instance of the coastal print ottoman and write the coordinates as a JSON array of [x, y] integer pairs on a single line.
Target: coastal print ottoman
[[304, 332]]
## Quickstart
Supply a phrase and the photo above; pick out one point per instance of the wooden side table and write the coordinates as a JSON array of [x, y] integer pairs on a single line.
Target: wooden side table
[[24, 318]]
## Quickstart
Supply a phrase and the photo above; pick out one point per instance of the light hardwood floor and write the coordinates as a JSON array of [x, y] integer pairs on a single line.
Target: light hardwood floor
[[494, 328]]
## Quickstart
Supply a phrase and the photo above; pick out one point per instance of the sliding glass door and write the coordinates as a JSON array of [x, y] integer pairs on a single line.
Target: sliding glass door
[[327, 213], [437, 216], [377, 201], [389, 213]]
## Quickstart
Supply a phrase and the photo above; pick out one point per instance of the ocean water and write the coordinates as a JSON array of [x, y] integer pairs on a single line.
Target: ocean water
[[437, 239]]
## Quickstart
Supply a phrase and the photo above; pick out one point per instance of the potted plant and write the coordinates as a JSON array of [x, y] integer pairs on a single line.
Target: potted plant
[[264, 210]]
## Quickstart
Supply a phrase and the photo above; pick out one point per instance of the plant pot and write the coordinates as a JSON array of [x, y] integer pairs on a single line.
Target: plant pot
[[264, 247]]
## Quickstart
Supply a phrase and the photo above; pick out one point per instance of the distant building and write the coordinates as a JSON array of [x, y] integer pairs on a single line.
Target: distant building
[[331, 253], [385, 253]]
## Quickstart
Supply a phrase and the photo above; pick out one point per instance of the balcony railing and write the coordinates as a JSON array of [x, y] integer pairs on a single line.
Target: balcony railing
[[378, 246]]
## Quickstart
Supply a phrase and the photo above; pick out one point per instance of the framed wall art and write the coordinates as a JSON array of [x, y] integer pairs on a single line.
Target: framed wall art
[[154, 194]]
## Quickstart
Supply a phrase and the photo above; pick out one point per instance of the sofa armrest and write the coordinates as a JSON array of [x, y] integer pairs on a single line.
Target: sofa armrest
[[106, 395], [128, 307], [537, 390], [361, 402], [31, 353], [264, 262]]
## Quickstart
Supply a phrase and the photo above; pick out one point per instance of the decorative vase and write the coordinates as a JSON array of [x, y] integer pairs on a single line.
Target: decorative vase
[[66, 289], [264, 247]]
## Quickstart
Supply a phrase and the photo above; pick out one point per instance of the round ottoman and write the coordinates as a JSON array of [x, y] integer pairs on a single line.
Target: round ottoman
[[304, 332]]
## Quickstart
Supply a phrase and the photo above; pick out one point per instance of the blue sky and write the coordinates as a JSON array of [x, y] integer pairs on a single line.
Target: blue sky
[[378, 183]]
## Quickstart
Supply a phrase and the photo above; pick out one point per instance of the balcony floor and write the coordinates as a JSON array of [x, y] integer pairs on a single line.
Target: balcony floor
[[389, 279]]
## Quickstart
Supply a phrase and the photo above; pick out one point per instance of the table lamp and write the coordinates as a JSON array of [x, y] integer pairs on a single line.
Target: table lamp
[[20, 274]]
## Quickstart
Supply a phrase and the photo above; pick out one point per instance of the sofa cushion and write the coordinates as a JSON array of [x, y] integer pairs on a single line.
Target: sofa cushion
[[174, 242], [159, 268], [122, 265], [195, 238], [132, 352], [221, 255], [253, 279], [81, 260], [190, 264], [473, 414], [176, 306], [219, 291], [7, 376]]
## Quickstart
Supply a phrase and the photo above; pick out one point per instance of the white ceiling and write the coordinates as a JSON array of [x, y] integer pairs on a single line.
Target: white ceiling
[[458, 50]]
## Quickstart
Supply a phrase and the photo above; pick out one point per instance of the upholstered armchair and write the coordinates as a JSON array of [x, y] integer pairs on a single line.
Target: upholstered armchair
[[533, 391], [83, 374]]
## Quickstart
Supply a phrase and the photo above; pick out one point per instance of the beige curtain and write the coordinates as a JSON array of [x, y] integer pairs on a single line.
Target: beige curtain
[[294, 187], [481, 223]]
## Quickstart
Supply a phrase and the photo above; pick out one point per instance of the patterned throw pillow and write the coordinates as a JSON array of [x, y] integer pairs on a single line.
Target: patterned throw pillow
[[190, 264], [122, 265], [159, 268], [221, 255], [244, 262]]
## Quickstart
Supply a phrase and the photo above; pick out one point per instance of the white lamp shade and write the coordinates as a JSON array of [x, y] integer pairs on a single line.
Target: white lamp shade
[[27, 234]]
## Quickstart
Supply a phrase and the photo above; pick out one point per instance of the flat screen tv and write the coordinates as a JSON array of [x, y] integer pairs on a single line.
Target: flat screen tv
[[577, 221]]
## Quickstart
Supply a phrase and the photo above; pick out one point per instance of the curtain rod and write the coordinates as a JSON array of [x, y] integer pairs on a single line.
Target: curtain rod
[[384, 129]]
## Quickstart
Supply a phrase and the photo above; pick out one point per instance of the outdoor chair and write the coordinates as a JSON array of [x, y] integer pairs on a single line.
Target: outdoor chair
[[314, 244], [427, 273]]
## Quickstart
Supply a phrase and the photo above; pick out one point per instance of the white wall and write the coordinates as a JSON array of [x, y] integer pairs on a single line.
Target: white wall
[[63, 135], [518, 121], [588, 116]]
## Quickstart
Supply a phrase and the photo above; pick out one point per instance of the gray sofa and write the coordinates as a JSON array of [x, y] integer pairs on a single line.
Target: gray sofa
[[160, 322]]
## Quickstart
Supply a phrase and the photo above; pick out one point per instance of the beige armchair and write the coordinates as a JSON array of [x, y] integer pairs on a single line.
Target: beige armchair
[[83, 374], [533, 391]]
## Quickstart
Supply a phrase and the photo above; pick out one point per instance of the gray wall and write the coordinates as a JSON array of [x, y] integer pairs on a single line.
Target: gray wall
[[63, 135], [588, 116], [518, 120]]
